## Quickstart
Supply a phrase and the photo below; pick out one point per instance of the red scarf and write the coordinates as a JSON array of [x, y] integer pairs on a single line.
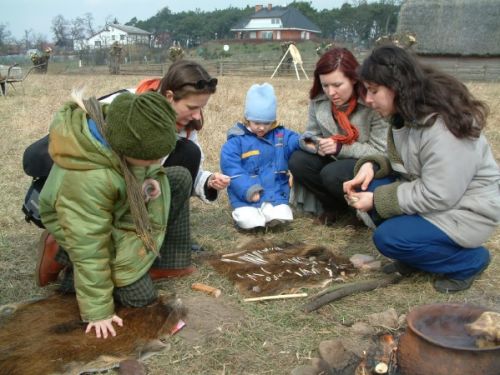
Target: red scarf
[[148, 84], [342, 118]]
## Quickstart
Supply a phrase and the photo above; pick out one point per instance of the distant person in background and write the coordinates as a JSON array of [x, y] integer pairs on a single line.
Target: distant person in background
[[255, 156], [342, 129], [436, 194], [187, 87]]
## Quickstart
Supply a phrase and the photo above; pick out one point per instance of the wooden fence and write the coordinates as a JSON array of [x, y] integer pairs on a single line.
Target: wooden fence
[[464, 68], [227, 68], [259, 68], [143, 69], [467, 68]]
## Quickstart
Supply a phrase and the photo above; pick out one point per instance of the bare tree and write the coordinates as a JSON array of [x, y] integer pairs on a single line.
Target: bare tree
[[77, 28], [109, 20], [27, 38], [89, 24], [39, 41], [5, 35], [60, 29]]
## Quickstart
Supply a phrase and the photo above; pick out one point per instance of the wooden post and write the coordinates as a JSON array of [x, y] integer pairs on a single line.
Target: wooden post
[[115, 57], [277, 67]]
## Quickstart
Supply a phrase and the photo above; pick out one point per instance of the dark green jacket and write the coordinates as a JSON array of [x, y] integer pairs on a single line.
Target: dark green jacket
[[84, 205]]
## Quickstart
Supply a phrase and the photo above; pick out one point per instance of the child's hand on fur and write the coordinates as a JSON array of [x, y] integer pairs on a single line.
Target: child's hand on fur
[[105, 326], [150, 189]]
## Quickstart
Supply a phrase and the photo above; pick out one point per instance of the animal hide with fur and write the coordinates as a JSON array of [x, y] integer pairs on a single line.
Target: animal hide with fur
[[261, 268], [47, 336]]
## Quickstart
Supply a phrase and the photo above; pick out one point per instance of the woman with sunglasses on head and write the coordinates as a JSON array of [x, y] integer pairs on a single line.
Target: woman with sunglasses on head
[[187, 87], [438, 189], [341, 128]]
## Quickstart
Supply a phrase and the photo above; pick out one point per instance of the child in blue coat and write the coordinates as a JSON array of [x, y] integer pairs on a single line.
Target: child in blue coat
[[255, 156]]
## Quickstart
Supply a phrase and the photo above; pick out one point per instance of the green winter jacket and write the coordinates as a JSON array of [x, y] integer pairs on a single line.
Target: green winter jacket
[[84, 205]]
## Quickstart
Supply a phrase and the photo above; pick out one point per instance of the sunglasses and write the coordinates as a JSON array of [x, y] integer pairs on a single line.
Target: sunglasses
[[202, 84]]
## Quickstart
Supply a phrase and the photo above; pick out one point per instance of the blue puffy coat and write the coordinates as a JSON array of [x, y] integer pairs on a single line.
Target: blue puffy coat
[[258, 165]]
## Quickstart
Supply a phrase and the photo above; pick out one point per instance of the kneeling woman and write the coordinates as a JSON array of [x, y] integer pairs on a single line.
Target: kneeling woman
[[188, 87], [342, 128], [437, 190]]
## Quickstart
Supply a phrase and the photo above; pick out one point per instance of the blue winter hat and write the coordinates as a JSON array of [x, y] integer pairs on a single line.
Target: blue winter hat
[[260, 104]]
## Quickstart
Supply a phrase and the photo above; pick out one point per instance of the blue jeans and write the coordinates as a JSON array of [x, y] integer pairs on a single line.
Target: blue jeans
[[413, 240]]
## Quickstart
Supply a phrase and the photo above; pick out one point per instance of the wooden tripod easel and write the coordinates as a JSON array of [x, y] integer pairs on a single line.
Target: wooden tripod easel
[[297, 60]]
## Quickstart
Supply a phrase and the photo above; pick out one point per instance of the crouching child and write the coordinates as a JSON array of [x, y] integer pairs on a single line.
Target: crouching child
[[110, 208]]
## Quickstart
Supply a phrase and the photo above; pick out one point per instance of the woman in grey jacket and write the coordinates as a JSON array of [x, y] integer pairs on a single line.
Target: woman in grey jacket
[[440, 198], [341, 128]]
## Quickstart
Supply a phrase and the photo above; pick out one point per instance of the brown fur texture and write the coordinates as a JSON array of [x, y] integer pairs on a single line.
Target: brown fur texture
[[47, 336], [261, 268]]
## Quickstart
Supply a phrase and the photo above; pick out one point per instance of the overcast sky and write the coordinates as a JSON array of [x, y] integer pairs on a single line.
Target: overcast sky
[[37, 15]]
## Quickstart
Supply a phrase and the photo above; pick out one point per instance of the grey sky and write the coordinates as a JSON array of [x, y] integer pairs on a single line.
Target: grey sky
[[37, 15]]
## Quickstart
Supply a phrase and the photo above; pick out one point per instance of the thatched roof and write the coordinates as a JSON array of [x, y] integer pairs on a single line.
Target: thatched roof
[[452, 27]]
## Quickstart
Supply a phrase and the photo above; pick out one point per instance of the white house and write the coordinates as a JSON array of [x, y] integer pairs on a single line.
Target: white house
[[114, 33]]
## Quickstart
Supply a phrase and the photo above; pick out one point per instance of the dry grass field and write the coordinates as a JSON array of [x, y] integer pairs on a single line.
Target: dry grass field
[[244, 338]]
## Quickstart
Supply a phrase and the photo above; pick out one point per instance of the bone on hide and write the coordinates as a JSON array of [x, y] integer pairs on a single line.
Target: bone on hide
[[263, 268]]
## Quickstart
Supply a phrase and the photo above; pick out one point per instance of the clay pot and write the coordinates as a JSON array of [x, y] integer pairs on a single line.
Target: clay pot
[[436, 342]]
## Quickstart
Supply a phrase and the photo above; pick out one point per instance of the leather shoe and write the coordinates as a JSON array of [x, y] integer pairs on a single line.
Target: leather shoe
[[167, 273], [448, 285], [47, 269]]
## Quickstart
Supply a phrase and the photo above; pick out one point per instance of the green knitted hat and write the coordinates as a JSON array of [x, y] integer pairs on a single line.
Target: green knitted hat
[[141, 126]]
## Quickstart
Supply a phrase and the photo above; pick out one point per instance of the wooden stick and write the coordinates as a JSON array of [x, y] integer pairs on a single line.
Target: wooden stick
[[206, 289], [279, 296], [346, 290]]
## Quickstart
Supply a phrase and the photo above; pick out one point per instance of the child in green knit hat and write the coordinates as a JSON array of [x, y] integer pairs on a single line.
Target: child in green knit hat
[[112, 207]]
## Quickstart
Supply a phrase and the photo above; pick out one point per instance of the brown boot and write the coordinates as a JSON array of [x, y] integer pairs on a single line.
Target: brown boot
[[47, 269], [167, 273]]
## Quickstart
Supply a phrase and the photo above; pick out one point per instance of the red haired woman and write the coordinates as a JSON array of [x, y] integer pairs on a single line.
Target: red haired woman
[[341, 128]]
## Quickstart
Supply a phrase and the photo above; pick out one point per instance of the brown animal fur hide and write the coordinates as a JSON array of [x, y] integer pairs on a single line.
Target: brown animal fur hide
[[261, 268], [48, 337]]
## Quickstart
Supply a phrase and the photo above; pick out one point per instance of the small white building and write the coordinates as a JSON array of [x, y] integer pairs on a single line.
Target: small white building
[[114, 33]]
